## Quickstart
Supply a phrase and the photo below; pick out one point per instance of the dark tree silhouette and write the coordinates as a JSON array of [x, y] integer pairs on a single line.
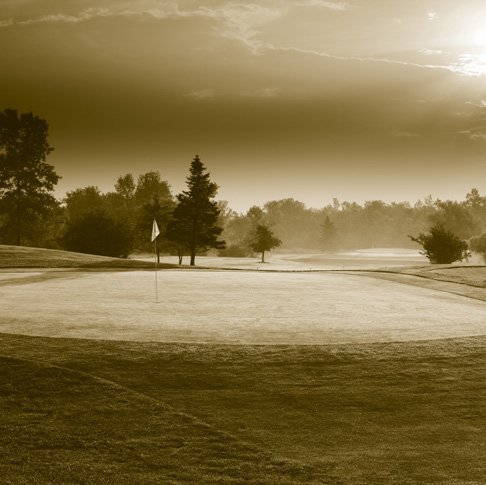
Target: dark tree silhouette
[[26, 179], [441, 246], [161, 211], [80, 202], [194, 222], [97, 233], [263, 240]]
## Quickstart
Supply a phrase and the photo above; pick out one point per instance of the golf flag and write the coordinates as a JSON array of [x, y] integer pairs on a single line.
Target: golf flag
[[155, 231]]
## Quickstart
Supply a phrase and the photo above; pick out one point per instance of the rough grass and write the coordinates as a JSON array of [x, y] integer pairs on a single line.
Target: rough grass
[[410, 413], [26, 257]]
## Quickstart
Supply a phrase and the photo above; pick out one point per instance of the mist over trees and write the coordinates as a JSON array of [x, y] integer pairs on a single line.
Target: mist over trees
[[195, 222], [349, 225]]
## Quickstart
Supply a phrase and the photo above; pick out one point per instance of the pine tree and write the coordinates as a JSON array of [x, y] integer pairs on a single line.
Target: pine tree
[[194, 222]]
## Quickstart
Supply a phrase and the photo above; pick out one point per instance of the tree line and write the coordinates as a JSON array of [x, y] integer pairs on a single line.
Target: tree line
[[118, 223]]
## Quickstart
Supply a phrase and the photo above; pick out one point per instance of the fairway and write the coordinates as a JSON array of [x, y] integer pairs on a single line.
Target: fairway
[[232, 307]]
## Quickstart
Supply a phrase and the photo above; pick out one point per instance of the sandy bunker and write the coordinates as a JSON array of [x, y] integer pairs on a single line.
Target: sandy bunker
[[232, 307]]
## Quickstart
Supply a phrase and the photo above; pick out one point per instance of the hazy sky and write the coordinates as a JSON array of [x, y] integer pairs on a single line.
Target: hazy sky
[[311, 99]]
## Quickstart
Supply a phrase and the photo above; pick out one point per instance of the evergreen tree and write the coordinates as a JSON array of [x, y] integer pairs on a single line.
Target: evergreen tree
[[26, 179], [263, 240], [194, 222]]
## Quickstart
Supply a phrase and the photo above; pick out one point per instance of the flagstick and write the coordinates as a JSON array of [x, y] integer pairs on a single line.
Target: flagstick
[[156, 289]]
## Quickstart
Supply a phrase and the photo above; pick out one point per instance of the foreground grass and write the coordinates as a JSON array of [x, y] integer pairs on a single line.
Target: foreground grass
[[119, 412]]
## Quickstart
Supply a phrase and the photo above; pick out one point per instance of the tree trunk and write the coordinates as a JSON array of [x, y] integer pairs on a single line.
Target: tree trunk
[[263, 256], [158, 256], [193, 257], [18, 220]]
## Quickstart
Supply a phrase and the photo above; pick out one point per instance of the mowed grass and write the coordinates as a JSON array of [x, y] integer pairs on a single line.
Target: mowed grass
[[237, 307], [121, 412]]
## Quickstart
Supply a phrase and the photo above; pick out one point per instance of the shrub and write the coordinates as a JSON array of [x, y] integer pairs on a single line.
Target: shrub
[[441, 246]]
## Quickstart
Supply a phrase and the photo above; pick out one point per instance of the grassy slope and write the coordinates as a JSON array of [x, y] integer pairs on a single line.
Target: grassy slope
[[467, 275], [25, 257], [467, 281], [390, 413]]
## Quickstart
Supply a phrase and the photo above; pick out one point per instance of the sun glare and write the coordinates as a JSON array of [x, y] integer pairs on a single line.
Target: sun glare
[[479, 37]]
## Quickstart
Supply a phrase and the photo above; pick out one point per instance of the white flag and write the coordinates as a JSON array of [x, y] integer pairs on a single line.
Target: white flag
[[155, 230]]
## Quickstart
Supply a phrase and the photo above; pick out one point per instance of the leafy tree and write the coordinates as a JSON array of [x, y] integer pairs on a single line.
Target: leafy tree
[[456, 217], [86, 200], [125, 187], [97, 233], [264, 240], [441, 246], [148, 185], [26, 179], [194, 222]]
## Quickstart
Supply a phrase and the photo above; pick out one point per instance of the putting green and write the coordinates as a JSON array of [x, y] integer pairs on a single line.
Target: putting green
[[232, 307]]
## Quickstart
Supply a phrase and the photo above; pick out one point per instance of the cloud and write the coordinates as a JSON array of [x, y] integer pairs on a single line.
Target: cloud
[[404, 134], [83, 16], [245, 22], [470, 65], [432, 15], [202, 94], [322, 3], [474, 134], [238, 21], [380, 60], [431, 52]]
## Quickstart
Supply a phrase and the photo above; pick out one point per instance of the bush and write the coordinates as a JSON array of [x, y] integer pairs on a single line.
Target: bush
[[441, 246], [97, 233]]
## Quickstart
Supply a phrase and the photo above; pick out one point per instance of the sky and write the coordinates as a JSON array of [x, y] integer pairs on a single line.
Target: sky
[[310, 99]]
